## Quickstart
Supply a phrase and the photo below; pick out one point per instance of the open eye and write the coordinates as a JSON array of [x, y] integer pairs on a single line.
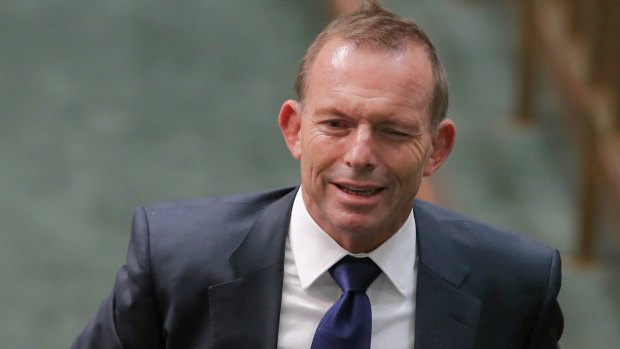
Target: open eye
[[334, 123]]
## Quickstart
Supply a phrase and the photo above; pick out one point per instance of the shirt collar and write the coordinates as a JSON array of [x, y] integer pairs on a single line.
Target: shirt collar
[[314, 251]]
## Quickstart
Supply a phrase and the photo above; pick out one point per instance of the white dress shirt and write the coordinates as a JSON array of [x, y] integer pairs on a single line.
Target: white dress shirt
[[309, 290]]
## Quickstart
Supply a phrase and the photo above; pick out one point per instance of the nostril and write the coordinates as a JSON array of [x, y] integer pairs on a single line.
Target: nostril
[[361, 154]]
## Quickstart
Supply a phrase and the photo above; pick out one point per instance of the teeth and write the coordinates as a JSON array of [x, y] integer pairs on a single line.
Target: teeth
[[361, 192]]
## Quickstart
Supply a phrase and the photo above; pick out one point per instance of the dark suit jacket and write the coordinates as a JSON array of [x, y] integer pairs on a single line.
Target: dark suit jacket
[[208, 274]]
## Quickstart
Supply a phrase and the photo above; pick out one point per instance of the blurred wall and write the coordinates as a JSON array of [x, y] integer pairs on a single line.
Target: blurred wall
[[107, 105]]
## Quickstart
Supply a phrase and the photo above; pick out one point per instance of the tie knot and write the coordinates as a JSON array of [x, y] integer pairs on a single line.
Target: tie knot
[[354, 274]]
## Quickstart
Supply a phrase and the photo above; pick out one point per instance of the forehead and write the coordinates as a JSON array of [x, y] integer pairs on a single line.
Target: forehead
[[373, 72]]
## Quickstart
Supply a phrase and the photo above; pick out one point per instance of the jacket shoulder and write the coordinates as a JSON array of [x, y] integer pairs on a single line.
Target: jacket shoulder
[[200, 232], [511, 273], [469, 230], [496, 255], [256, 201]]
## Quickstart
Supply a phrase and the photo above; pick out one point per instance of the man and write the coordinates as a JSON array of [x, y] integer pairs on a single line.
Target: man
[[276, 269]]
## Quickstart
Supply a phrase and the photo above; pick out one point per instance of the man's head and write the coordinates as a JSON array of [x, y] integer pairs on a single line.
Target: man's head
[[375, 27], [362, 131]]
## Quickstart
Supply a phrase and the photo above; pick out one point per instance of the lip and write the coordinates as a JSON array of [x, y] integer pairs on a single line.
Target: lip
[[359, 191], [358, 185]]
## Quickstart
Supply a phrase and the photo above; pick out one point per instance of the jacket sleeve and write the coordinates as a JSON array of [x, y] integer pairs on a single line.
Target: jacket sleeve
[[550, 322], [128, 318]]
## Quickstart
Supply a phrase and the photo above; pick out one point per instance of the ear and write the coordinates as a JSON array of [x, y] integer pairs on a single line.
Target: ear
[[444, 138], [290, 125]]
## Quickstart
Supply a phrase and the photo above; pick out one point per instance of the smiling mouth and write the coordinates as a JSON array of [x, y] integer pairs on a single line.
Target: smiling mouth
[[359, 192]]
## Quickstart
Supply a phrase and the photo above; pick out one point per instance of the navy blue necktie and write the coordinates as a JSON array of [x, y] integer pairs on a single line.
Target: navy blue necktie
[[348, 323]]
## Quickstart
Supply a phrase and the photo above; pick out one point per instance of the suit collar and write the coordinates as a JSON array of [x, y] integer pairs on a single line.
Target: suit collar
[[436, 247], [245, 312], [446, 315], [263, 246]]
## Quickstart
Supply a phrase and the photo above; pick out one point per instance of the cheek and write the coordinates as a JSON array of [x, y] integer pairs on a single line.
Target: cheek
[[409, 166], [320, 151], [311, 164]]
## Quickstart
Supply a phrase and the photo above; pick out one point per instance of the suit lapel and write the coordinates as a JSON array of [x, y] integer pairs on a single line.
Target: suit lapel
[[245, 312], [446, 316]]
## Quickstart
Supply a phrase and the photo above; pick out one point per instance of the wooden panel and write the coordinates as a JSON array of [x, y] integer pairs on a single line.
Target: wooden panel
[[576, 16], [588, 200], [599, 36], [527, 61], [611, 23], [613, 63]]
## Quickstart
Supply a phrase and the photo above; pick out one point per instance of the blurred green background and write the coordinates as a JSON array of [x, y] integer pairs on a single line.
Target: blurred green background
[[107, 105]]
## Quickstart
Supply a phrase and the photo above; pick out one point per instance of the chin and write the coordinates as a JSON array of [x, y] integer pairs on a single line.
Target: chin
[[355, 225]]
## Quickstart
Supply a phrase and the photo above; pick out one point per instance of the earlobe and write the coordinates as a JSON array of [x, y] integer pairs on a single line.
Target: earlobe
[[443, 142], [289, 120]]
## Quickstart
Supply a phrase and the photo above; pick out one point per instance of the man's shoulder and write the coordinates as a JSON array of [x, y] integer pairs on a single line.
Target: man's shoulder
[[498, 260], [482, 238], [243, 202], [209, 218], [188, 233]]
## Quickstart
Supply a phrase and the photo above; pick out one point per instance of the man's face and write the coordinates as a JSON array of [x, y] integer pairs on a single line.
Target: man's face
[[363, 139]]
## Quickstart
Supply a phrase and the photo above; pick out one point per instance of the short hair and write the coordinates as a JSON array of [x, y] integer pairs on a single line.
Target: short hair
[[373, 26]]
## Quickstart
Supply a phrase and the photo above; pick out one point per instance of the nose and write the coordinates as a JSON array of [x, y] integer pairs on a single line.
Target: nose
[[360, 154]]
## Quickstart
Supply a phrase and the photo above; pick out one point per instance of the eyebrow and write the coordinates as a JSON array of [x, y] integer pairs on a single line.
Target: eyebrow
[[331, 109]]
